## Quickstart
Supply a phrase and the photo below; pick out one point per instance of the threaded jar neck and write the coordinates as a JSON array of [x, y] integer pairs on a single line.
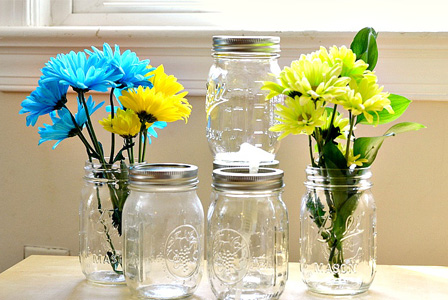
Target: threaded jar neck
[[338, 179], [246, 47], [95, 171], [241, 179], [163, 176]]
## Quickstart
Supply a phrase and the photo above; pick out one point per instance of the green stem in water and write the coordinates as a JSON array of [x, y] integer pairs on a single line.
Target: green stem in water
[[114, 262]]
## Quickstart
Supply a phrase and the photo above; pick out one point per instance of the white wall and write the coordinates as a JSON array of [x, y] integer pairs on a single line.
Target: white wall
[[40, 187]]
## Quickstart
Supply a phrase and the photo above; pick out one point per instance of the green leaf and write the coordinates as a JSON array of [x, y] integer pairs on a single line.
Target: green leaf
[[398, 103], [333, 157], [368, 146], [365, 47]]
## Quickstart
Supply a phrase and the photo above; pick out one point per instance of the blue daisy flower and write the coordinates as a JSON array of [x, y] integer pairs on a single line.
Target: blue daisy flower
[[63, 126], [132, 69], [80, 72], [46, 98]]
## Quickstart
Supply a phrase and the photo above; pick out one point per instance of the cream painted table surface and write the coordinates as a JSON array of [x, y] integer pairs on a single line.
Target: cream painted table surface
[[60, 278]]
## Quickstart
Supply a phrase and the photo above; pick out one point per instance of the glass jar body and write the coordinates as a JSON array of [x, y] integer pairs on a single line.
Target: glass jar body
[[238, 114], [163, 232], [99, 223], [338, 232], [247, 249]]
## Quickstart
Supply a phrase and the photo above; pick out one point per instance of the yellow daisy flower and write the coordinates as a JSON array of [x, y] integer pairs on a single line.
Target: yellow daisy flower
[[298, 119], [152, 106], [365, 97], [125, 123], [166, 84]]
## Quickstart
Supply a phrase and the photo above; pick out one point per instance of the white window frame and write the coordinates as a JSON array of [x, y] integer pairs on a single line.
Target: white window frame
[[62, 14], [412, 64]]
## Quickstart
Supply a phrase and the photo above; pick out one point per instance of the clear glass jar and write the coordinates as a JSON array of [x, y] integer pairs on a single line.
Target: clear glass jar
[[238, 114], [338, 231], [163, 229], [247, 247], [100, 222]]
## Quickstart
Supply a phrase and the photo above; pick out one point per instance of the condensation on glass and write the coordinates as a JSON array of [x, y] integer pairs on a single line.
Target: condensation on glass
[[238, 114], [338, 231], [247, 246], [163, 228]]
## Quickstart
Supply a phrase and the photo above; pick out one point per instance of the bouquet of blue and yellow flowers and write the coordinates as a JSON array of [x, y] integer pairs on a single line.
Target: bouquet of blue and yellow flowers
[[142, 98]]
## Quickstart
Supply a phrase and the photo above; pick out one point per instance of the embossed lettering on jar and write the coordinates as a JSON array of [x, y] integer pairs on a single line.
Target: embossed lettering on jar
[[163, 227], [247, 252]]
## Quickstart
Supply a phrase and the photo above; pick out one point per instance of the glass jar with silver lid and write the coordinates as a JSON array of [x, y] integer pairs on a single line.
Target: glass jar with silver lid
[[247, 246], [163, 229], [238, 114]]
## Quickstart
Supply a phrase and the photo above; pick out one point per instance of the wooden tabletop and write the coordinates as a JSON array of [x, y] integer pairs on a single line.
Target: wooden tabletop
[[60, 278]]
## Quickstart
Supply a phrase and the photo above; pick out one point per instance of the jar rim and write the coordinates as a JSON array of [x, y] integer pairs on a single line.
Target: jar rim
[[328, 178], [240, 178], [163, 174], [246, 44]]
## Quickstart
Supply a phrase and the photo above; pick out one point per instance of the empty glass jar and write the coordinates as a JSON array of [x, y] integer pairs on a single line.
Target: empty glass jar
[[238, 114], [247, 247], [163, 228]]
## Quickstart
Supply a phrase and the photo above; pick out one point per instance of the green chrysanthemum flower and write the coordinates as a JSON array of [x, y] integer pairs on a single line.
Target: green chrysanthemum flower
[[365, 97], [346, 59], [309, 79], [298, 119]]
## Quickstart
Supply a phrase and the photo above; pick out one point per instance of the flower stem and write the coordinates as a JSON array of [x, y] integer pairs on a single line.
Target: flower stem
[[349, 138], [330, 128], [140, 147], [112, 137], [90, 129], [310, 143], [145, 133], [89, 148]]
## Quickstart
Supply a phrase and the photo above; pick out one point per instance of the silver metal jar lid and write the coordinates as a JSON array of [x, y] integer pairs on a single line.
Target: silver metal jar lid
[[217, 164], [163, 174], [267, 44], [241, 179]]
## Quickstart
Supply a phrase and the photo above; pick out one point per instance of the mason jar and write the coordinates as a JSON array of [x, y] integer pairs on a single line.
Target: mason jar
[[238, 114], [163, 231], [338, 231], [100, 242], [247, 247]]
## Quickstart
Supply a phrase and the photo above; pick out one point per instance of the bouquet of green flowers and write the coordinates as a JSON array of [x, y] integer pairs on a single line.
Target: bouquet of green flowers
[[329, 93], [142, 98]]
